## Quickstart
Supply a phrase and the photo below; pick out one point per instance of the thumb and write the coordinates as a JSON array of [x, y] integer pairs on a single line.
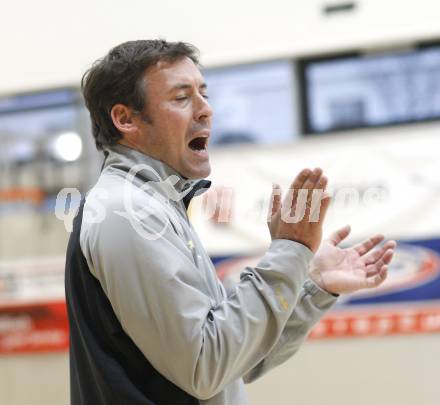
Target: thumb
[[338, 236], [275, 201]]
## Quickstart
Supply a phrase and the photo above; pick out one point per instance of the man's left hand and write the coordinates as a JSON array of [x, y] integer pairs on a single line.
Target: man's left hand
[[341, 271]]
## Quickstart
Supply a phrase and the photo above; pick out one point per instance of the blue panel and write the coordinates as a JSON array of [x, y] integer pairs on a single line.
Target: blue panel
[[414, 275]]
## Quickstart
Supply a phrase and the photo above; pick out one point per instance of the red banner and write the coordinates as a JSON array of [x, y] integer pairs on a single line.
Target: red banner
[[38, 327]]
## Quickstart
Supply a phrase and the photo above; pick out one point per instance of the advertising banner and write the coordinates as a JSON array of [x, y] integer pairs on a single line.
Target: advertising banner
[[33, 315]]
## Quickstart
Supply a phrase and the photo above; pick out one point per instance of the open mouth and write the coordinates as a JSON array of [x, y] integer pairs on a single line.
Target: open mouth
[[198, 144]]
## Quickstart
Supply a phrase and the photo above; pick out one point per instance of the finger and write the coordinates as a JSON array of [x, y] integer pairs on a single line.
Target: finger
[[378, 279], [308, 200], [312, 209], [321, 184], [366, 246], [298, 185], [385, 260], [372, 270], [304, 194], [317, 193], [337, 237], [388, 256], [373, 256], [275, 200], [319, 208], [325, 204], [291, 196], [313, 179], [300, 179]]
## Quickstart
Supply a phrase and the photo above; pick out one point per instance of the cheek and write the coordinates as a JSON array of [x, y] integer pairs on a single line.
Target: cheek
[[177, 119], [173, 125], [170, 138]]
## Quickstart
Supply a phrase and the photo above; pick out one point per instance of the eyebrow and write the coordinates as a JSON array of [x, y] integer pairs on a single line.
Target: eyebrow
[[185, 86]]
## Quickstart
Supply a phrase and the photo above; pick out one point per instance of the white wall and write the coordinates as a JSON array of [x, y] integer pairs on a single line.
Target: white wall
[[52, 42], [375, 371]]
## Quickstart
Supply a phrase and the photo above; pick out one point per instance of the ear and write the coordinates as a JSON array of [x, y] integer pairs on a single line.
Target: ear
[[124, 120]]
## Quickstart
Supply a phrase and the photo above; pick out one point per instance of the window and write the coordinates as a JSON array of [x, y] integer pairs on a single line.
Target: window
[[371, 90], [253, 103]]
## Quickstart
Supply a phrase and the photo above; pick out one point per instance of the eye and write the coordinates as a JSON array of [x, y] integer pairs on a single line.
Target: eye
[[205, 96], [181, 98]]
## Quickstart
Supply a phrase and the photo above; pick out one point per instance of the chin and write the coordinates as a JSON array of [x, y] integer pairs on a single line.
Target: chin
[[195, 173]]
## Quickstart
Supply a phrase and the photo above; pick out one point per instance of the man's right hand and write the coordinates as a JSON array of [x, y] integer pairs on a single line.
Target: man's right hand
[[300, 216]]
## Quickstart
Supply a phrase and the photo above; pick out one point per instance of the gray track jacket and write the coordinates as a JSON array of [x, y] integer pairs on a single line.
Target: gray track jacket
[[163, 288]]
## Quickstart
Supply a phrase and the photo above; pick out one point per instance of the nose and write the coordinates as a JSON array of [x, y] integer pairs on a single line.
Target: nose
[[203, 110]]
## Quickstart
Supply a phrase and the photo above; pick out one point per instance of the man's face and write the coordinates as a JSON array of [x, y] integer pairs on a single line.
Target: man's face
[[179, 118]]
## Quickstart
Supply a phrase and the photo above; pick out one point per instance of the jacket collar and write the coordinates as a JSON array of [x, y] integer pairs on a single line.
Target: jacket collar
[[144, 168]]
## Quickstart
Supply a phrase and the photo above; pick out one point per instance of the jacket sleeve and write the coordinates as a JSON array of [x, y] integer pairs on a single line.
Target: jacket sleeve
[[160, 298], [312, 305]]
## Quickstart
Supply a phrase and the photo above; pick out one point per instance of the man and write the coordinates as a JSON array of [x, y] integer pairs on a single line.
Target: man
[[150, 323]]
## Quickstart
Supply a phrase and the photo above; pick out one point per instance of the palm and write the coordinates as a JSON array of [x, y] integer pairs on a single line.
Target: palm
[[347, 270]]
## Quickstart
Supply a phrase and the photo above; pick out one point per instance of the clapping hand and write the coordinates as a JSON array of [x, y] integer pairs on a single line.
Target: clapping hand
[[339, 270], [282, 220]]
